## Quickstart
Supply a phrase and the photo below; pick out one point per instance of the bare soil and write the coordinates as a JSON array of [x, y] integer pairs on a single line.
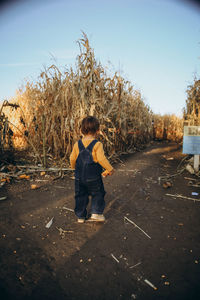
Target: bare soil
[[110, 260]]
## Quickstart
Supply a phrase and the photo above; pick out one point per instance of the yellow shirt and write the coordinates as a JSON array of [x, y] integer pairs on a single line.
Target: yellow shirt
[[97, 154]]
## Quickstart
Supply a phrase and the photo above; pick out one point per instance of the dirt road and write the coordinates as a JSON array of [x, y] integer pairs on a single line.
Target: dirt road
[[111, 260]]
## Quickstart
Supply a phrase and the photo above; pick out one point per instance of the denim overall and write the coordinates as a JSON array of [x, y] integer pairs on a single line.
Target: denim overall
[[88, 181]]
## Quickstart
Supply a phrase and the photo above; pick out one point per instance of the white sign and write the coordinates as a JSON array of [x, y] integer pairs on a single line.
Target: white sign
[[191, 140]]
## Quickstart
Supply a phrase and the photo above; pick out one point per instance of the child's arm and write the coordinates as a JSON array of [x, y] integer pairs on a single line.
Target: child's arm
[[102, 160], [73, 156]]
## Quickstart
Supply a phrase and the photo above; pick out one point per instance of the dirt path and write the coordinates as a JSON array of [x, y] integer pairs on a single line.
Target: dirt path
[[110, 261]]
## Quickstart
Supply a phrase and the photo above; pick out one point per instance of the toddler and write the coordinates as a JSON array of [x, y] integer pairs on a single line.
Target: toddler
[[88, 160]]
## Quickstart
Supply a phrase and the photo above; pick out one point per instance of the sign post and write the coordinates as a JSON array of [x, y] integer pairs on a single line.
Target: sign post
[[196, 163], [191, 143]]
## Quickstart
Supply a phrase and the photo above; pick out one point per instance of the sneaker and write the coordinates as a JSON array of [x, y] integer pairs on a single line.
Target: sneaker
[[81, 220], [97, 218]]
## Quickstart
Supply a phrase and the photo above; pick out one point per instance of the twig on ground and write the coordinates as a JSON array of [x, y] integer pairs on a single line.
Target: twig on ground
[[39, 168], [139, 263], [195, 185], [69, 209], [8, 175], [150, 284], [181, 196], [48, 225], [30, 169], [62, 231], [125, 218], [169, 176], [40, 180], [188, 178], [114, 258], [182, 160]]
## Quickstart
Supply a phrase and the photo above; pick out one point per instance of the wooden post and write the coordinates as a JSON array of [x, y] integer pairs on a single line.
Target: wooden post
[[196, 163]]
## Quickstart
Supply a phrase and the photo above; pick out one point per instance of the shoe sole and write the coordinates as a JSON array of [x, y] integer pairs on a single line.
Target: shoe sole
[[95, 220]]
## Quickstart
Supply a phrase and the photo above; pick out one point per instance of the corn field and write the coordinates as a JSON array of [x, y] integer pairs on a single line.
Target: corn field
[[192, 109], [50, 110], [168, 127], [6, 134]]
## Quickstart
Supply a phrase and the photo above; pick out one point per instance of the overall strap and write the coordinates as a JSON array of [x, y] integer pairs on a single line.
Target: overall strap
[[80, 145], [91, 145]]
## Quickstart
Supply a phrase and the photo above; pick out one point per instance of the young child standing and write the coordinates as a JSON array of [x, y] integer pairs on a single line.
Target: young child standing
[[88, 160]]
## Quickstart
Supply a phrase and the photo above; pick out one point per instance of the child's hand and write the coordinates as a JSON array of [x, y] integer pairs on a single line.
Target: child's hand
[[107, 173], [111, 172]]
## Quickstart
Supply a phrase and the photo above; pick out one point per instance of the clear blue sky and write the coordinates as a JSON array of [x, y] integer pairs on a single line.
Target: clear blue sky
[[155, 44]]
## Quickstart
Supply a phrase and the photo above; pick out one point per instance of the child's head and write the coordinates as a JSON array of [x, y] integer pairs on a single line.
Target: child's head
[[89, 125]]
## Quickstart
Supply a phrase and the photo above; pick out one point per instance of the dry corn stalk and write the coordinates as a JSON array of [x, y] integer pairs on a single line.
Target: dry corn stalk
[[192, 110], [168, 127], [51, 109]]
